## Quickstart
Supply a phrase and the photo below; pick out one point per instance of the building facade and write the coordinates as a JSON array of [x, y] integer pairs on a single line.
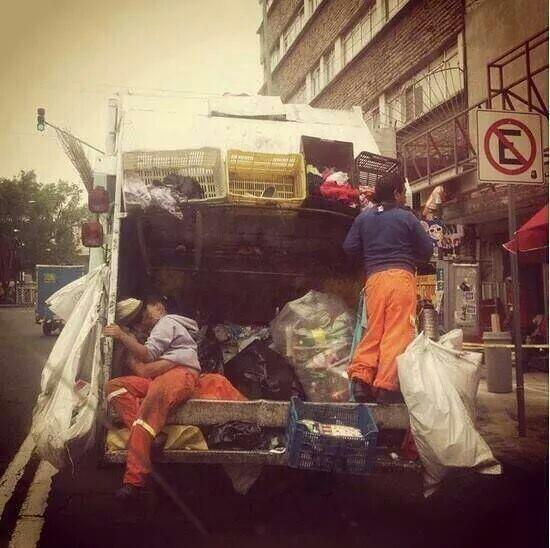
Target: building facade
[[399, 60], [419, 70]]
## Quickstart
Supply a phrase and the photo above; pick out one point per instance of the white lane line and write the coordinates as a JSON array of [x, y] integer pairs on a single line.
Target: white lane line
[[14, 472], [31, 516]]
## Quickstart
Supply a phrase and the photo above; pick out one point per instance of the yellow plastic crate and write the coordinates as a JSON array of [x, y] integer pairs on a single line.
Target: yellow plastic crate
[[249, 174], [203, 164]]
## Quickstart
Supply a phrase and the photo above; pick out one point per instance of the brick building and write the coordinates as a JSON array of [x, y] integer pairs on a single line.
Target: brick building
[[419, 70], [401, 61]]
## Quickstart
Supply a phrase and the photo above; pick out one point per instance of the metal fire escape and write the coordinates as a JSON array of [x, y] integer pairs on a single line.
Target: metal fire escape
[[447, 150]]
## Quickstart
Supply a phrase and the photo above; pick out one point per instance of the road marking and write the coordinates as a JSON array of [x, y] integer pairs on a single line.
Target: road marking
[[15, 471], [31, 516]]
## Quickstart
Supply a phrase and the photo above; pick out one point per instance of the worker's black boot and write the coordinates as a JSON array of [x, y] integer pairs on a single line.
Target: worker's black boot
[[362, 392]]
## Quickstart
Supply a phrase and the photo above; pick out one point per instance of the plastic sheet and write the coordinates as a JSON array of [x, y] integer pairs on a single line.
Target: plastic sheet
[[63, 302], [162, 197], [64, 418], [439, 383], [136, 193]]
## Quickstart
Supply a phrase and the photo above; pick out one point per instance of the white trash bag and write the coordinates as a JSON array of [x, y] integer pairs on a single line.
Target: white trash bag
[[64, 416], [439, 383], [63, 301], [135, 191]]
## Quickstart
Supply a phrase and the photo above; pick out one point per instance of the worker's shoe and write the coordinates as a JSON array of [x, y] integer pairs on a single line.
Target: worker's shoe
[[130, 493], [157, 445], [362, 392], [384, 397]]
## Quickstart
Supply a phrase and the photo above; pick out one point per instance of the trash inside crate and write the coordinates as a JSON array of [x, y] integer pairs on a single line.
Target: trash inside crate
[[331, 437], [370, 167], [202, 164], [259, 177]]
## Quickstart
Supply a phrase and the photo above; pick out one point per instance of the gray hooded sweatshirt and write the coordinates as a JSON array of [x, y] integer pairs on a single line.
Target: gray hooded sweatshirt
[[171, 339]]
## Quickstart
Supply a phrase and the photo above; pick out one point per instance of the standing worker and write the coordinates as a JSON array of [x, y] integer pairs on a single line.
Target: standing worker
[[391, 241], [166, 373]]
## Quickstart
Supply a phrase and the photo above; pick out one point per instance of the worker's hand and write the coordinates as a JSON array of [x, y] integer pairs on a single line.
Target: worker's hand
[[113, 331]]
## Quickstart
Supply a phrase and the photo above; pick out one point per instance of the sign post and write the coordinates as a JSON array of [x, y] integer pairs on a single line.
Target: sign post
[[510, 151]]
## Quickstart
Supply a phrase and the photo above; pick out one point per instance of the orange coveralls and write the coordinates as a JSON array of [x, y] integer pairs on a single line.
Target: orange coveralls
[[144, 404], [390, 300]]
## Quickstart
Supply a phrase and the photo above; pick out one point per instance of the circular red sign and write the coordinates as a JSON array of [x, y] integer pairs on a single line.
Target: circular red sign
[[526, 163]]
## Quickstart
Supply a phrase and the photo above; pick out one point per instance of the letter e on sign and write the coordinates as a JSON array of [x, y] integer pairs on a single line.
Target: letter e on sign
[[509, 146]]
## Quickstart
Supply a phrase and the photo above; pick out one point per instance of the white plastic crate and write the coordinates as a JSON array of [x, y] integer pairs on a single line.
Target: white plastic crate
[[203, 164]]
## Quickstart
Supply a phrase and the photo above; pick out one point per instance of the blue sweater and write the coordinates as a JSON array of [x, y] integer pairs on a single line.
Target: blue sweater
[[391, 238]]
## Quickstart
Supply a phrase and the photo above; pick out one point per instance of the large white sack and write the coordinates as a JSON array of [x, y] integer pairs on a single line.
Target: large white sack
[[439, 384], [63, 301], [76, 355]]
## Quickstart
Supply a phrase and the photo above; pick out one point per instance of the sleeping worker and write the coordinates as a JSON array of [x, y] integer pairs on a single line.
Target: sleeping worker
[[166, 373], [391, 242]]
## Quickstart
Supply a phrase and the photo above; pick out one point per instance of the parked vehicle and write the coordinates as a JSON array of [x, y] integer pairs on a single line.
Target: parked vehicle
[[232, 255], [49, 279]]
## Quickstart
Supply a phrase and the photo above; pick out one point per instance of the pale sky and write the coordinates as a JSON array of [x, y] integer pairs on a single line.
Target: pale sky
[[69, 56]]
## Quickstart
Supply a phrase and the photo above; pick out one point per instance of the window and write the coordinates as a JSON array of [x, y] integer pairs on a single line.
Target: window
[[360, 35], [293, 30], [373, 118], [330, 66], [434, 85], [315, 81], [275, 58]]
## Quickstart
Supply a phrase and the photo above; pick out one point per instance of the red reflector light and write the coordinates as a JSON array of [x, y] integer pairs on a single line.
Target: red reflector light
[[92, 234], [98, 200]]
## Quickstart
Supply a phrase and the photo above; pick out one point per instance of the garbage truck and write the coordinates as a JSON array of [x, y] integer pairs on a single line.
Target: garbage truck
[[253, 238]]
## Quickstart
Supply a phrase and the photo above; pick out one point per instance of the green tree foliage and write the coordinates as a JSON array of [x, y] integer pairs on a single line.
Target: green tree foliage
[[44, 219]]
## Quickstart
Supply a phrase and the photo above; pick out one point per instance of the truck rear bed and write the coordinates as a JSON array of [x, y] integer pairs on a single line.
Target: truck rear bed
[[270, 414]]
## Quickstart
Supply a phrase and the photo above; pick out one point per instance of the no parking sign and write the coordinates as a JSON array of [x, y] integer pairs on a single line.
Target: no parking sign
[[509, 147]]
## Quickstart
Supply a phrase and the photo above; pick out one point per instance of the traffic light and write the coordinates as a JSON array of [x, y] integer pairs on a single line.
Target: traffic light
[[41, 119]]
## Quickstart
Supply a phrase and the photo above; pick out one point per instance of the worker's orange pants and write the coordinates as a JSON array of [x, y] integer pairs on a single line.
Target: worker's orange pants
[[143, 405], [390, 300]]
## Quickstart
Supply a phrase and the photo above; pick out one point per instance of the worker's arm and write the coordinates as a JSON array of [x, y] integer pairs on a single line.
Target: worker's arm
[[137, 350], [152, 369], [423, 245], [352, 243]]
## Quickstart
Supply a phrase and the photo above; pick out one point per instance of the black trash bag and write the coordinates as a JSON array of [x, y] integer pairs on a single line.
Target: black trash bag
[[210, 353], [237, 435], [261, 373]]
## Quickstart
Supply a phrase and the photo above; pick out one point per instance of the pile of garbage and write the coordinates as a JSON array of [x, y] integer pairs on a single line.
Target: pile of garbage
[[304, 352], [336, 186], [171, 193]]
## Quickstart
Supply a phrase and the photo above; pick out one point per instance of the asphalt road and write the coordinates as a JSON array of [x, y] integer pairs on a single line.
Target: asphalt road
[[23, 350], [284, 508]]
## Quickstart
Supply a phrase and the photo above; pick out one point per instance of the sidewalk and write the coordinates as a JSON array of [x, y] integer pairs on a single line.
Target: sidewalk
[[497, 421]]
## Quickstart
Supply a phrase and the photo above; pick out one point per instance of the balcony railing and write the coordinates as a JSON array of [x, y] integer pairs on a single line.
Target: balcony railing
[[448, 149]]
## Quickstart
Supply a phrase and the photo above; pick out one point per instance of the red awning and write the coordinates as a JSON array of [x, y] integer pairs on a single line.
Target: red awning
[[532, 237]]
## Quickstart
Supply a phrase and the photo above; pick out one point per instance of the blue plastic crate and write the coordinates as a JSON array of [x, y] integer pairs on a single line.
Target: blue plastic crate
[[312, 451]]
